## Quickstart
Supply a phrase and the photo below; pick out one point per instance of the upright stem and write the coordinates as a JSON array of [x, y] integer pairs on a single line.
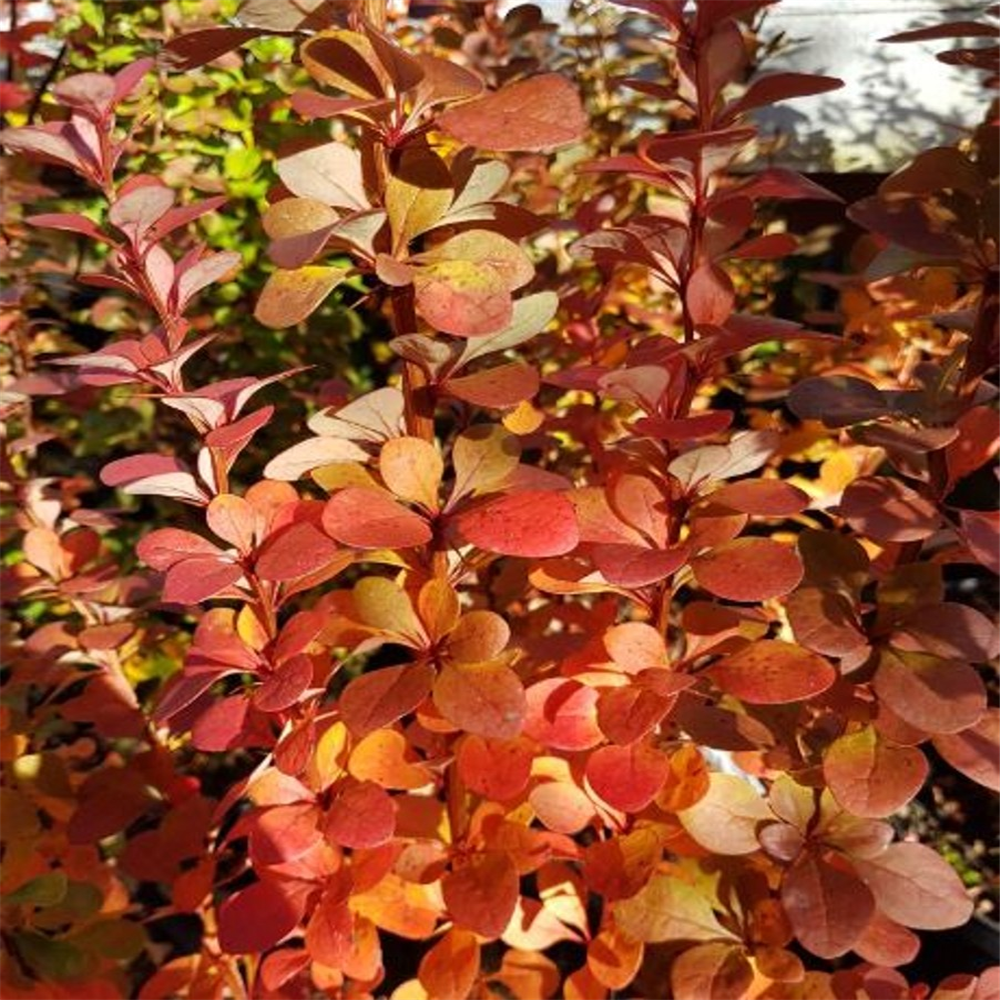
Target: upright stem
[[418, 402]]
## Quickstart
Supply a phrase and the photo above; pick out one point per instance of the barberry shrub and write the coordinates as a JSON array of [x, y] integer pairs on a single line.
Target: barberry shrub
[[599, 646]]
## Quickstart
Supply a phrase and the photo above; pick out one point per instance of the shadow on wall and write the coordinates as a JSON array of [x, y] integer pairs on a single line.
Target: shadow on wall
[[897, 98]]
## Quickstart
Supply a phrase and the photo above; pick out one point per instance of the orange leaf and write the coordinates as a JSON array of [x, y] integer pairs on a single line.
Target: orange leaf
[[481, 894], [486, 699]]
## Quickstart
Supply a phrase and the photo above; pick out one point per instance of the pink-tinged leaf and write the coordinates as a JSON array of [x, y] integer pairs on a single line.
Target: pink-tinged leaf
[[136, 212], [289, 297], [837, 400], [194, 580], [668, 909], [370, 519], [627, 777], [232, 519], [481, 895], [887, 943], [772, 672], [562, 714], [981, 533], [748, 570], [485, 699], [164, 547], [975, 751], [297, 551], [71, 223], [532, 115], [330, 173], [157, 475], [726, 819], [257, 918], [47, 144], [626, 714], [496, 388], [219, 727], [828, 906], [362, 816], [463, 298], [204, 272], [711, 970], [935, 695], [953, 631], [888, 511], [917, 888], [373, 701], [13, 96], [532, 524], [633, 566], [283, 687], [128, 78], [709, 295], [825, 621], [313, 453], [761, 497], [870, 777]]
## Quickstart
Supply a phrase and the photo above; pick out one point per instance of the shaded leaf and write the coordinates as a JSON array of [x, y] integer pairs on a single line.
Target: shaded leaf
[[531, 115]]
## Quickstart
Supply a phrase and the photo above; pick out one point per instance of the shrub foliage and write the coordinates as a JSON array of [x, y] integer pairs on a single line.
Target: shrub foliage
[[567, 622]]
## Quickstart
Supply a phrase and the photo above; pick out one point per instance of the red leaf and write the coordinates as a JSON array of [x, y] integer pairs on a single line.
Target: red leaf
[[887, 943], [531, 115], [633, 566], [533, 523], [761, 497], [194, 580], [975, 751], [450, 967], [869, 777], [378, 699], [916, 887], [711, 970], [888, 511], [285, 685], [257, 918], [935, 695], [626, 714], [164, 547], [772, 672], [369, 519], [481, 895], [748, 570], [195, 48], [486, 699], [627, 777], [775, 87], [562, 714], [363, 816], [232, 519], [497, 388], [297, 551], [828, 906], [709, 295], [495, 769]]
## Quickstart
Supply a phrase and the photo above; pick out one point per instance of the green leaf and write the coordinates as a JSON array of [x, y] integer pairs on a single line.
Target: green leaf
[[44, 890]]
